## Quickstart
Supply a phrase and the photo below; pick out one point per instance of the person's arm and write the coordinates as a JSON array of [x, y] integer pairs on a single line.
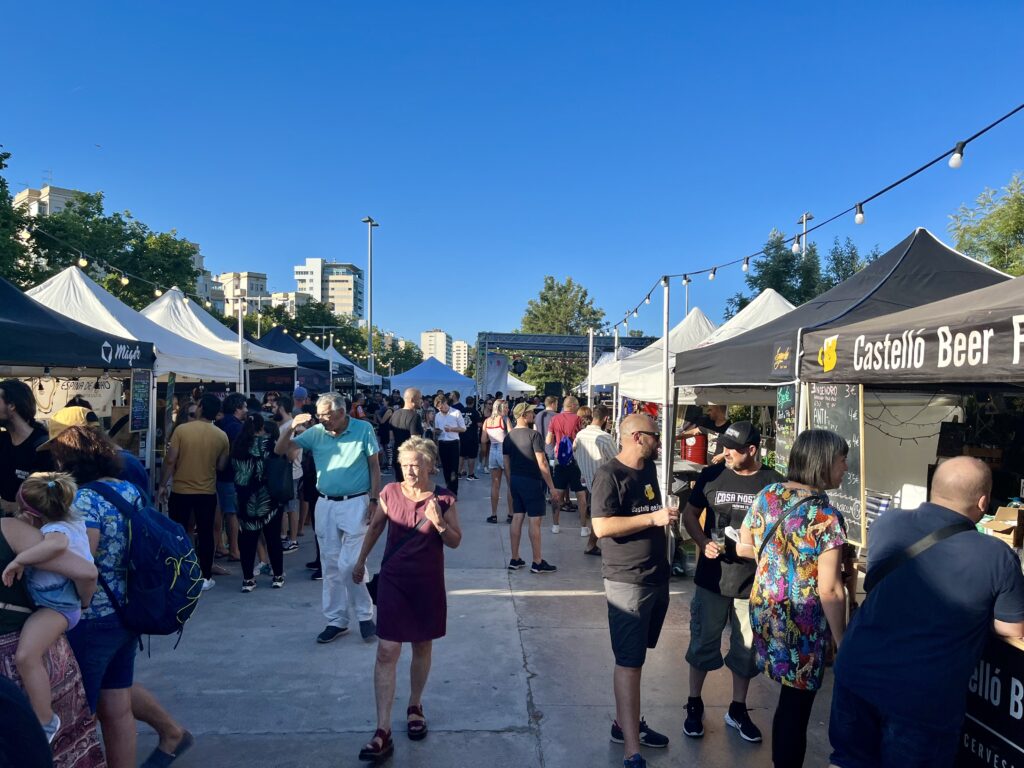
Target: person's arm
[[374, 465], [446, 525], [691, 522], [378, 520], [53, 544], [285, 442], [460, 424], [225, 456], [831, 590], [545, 471], [1013, 629], [628, 525], [170, 463], [22, 536], [746, 547]]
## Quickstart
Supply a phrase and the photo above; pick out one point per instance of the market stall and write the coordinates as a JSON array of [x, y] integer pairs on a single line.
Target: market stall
[[314, 372], [968, 347], [362, 376], [432, 375]]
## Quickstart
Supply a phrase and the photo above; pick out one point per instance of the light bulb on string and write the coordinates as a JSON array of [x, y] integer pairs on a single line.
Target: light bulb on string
[[158, 293], [686, 279], [796, 245], [858, 216], [746, 264], [957, 158], [83, 262], [124, 279], [209, 304], [711, 274], [648, 299], [636, 313]]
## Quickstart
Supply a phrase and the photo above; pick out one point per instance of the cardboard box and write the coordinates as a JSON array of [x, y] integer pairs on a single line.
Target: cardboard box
[[1007, 525]]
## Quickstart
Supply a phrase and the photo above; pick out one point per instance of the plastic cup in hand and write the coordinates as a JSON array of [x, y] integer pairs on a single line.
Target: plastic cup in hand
[[732, 533], [672, 502]]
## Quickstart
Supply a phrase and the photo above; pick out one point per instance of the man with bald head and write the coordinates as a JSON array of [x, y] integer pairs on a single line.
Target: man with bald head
[[629, 518], [906, 659], [406, 422]]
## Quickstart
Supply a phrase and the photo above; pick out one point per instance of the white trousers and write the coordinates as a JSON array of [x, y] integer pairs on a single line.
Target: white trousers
[[340, 528]]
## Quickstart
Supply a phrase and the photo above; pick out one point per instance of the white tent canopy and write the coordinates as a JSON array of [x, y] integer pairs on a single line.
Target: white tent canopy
[[178, 314], [648, 384], [605, 363], [75, 295], [432, 375], [518, 386], [692, 330], [362, 375]]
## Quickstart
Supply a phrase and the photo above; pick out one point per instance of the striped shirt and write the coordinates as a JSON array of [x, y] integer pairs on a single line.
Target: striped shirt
[[592, 448]]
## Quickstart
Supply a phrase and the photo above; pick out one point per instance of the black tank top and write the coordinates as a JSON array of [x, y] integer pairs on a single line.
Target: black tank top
[[11, 621]]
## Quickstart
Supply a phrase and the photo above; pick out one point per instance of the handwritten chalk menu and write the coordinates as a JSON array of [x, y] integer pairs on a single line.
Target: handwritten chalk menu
[[139, 401], [839, 408], [785, 426]]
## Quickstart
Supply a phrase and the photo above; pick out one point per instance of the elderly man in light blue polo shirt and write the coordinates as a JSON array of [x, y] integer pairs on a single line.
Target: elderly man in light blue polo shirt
[[348, 481]]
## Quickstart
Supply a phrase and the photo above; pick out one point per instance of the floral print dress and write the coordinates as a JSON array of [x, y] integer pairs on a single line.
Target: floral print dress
[[255, 507], [791, 634]]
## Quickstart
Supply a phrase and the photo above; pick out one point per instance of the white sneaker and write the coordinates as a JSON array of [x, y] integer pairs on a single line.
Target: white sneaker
[[584, 532], [208, 584], [555, 529]]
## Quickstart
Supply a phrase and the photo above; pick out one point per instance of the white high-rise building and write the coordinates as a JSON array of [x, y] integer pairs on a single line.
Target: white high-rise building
[[436, 343], [340, 285], [248, 289], [460, 356], [42, 202]]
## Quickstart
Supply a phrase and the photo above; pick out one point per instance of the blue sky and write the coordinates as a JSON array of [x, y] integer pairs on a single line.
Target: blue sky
[[497, 143]]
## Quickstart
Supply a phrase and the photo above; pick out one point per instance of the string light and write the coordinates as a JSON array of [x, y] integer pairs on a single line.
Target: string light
[[636, 313], [957, 158], [83, 262], [158, 293], [124, 279], [746, 264], [711, 274], [648, 299], [686, 279], [858, 217], [795, 249]]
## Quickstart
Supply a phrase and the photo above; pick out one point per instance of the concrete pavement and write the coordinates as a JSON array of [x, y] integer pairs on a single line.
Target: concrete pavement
[[523, 677]]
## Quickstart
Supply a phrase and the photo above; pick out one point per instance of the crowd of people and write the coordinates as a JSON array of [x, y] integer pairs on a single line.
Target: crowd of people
[[245, 477]]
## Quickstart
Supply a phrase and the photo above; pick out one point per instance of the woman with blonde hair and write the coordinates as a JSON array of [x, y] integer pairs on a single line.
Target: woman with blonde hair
[[422, 520], [496, 429]]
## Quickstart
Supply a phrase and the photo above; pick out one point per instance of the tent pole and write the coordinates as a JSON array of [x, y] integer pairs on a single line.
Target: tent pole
[[154, 475], [616, 409], [241, 351], [590, 367], [667, 440]]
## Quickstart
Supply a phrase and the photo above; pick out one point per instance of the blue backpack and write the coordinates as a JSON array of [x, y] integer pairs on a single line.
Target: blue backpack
[[163, 577], [563, 451]]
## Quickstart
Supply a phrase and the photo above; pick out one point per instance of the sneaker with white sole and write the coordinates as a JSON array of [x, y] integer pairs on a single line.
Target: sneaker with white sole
[[277, 583], [555, 528], [739, 718], [693, 726], [248, 585], [542, 567], [208, 584], [584, 532], [291, 546], [648, 736]]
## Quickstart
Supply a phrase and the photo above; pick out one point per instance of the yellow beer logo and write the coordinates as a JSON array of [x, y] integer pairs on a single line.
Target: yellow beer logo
[[781, 358], [649, 492], [827, 357]]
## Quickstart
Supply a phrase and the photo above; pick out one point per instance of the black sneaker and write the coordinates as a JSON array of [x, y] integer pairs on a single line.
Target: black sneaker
[[248, 585], [694, 724], [277, 583], [317, 575], [515, 564], [542, 567], [648, 736], [636, 761], [368, 630], [330, 634], [313, 565], [739, 718]]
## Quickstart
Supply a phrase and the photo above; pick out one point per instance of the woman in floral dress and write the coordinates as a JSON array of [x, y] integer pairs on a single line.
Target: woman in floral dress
[[257, 512], [798, 605]]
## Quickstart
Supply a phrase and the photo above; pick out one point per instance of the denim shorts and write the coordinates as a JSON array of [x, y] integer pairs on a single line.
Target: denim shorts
[[227, 497], [105, 652], [495, 457]]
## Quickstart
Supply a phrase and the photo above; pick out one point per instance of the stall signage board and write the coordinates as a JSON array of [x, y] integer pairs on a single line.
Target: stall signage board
[[139, 402], [839, 408], [993, 732], [785, 426]]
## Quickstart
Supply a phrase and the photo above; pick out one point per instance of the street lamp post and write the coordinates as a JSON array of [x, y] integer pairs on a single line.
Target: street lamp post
[[804, 218], [370, 224]]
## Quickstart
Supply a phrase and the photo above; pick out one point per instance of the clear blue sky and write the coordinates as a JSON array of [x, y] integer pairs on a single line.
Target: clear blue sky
[[497, 143]]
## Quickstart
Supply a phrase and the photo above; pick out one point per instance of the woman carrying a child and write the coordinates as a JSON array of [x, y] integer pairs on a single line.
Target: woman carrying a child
[[33, 648]]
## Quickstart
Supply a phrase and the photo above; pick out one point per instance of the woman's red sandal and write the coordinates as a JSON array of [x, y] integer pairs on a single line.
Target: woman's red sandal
[[417, 729], [372, 753]]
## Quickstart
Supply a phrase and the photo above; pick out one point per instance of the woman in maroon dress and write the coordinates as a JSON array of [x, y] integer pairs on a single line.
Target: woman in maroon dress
[[411, 602]]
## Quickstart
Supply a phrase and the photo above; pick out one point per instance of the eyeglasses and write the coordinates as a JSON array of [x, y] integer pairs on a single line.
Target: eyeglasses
[[655, 435], [191, 414]]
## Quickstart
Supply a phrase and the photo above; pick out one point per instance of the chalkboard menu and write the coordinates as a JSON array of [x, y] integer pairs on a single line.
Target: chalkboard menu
[[139, 400], [785, 426], [839, 407]]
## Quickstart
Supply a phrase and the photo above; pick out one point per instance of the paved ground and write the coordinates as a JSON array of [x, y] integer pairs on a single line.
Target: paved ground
[[522, 679]]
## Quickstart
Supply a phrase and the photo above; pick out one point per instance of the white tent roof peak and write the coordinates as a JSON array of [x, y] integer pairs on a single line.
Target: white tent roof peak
[[187, 319], [74, 294], [432, 375], [362, 375], [768, 305]]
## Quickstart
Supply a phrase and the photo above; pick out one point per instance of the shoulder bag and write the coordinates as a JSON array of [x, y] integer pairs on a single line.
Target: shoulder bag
[[891, 563]]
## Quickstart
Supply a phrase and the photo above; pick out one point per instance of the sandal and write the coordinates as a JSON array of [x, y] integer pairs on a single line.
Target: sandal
[[492, 519], [417, 729], [379, 748], [508, 519]]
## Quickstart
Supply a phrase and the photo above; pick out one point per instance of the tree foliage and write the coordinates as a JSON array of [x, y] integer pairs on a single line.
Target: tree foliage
[[13, 251], [564, 308], [844, 261], [993, 230]]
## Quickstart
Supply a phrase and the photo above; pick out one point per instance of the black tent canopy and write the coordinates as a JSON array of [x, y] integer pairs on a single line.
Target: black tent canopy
[[280, 341], [33, 336], [976, 337], [919, 270]]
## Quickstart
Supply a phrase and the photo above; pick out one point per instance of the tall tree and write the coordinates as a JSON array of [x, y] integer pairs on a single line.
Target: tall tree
[[844, 261], [565, 309], [13, 252], [993, 230]]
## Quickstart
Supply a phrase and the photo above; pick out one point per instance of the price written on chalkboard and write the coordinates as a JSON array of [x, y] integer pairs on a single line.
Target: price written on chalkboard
[[141, 392], [785, 426], [837, 407]]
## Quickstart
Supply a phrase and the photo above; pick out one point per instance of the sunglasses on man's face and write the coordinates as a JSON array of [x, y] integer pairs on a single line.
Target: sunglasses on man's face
[[655, 435]]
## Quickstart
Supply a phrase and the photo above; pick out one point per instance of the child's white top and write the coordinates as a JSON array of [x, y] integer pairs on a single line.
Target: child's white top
[[78, 542]]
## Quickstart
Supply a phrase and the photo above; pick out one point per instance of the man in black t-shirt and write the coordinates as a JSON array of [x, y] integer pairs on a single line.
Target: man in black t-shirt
[[724, 493], [19, 441], [405, 423], [527, 469], [630, 520], [713, 424]]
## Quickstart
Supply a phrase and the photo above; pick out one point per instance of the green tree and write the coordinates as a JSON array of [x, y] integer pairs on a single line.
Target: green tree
[[797, 276], [843, 262], [993, 230], [111, 245], [13, 252], [565, 309]]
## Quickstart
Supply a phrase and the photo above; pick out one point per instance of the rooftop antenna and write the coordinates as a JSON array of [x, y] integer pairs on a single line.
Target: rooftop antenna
[[48, 177]]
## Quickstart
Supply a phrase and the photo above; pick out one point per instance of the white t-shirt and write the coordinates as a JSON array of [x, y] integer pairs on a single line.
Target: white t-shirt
[[78, 542], [451, 419]]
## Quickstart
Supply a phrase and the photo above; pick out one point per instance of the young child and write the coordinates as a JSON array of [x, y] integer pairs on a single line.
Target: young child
[[45, 501]]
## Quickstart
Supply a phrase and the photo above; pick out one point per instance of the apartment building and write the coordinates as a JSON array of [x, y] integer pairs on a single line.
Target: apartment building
[[338, 284], [460, 356], [436, 343]]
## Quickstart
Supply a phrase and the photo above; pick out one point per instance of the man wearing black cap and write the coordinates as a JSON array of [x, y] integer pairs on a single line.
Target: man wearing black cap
[[724, 493]]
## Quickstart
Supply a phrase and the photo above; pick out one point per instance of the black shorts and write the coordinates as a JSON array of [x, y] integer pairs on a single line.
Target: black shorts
[[636, 613], [568, 477], [527, 496]]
